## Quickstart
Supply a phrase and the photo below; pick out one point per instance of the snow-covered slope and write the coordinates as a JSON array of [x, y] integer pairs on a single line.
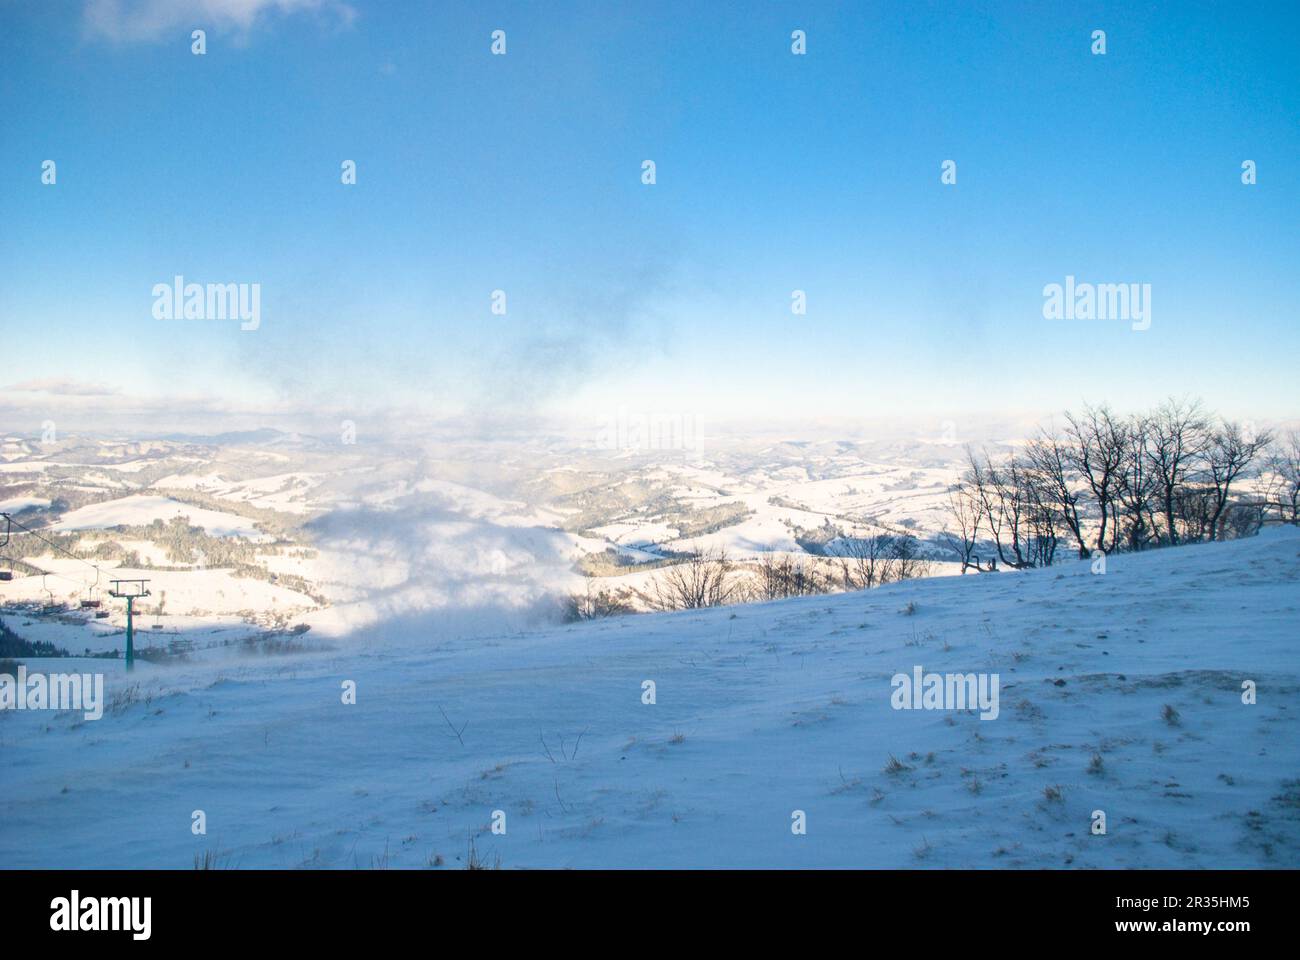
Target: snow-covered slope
[[761, 711], [145, 509]]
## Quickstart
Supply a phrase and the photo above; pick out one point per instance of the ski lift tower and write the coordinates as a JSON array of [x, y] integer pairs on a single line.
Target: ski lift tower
[[130, 591]]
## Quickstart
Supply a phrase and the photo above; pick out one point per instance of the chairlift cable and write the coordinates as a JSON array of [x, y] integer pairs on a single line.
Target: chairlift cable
[[44, 573], [51, 543]]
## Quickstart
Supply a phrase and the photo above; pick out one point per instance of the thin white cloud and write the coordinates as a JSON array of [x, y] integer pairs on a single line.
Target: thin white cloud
[[126, 21], [65, 388]]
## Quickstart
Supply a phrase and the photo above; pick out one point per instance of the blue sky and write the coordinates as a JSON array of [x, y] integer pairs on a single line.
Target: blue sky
[[775, 172]]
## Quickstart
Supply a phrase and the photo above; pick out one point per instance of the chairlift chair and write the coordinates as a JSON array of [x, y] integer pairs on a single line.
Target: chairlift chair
[[7, 574], [52, 606], [92, 602]]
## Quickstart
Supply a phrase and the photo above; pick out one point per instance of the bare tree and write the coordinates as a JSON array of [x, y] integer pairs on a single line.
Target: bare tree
[[905, 559], [1019, 509], [1094, 447], [1177, 440], [803, 577], [780, 575], [1229, 452], [770, 576], [964, 509], [702, 579], [863, 562], [1284, 478], [595, 603], [1137, 486], [1050, 461]]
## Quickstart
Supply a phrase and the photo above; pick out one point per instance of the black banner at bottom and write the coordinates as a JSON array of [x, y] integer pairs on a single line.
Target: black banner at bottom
[[334, 908]]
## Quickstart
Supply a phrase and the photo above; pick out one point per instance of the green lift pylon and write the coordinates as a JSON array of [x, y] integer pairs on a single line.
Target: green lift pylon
[[129, 590]]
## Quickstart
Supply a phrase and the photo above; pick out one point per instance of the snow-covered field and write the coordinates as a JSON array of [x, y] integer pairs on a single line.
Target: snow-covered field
[[760, 711], [142, 510]]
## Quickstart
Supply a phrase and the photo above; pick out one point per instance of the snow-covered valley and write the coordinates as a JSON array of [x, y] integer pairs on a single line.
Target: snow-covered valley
[[279, 531]]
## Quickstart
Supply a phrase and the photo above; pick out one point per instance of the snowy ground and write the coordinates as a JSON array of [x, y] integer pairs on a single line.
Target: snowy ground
[[761, 711]]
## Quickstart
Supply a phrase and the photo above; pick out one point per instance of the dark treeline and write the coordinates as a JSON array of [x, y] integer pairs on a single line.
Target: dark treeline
[[1106, 483]]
